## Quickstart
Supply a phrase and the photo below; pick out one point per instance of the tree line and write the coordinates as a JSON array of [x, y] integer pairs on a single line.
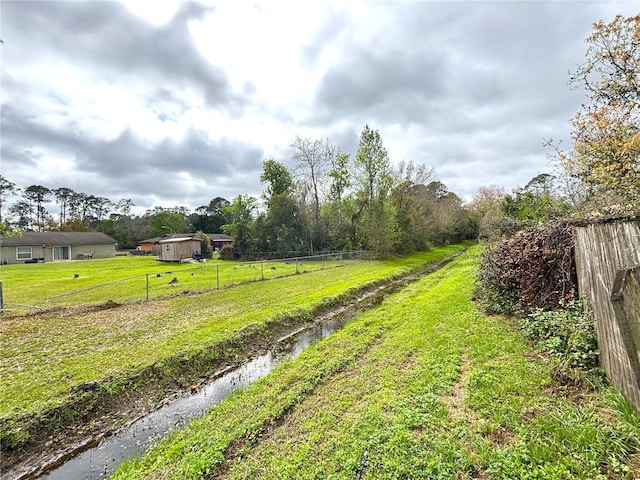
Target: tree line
[[326, 201]]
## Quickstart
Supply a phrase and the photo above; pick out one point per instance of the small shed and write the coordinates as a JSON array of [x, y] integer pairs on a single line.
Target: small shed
[[178, 249]]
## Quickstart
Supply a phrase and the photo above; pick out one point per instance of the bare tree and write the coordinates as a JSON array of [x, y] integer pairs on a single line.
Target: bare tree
[[313, 161]]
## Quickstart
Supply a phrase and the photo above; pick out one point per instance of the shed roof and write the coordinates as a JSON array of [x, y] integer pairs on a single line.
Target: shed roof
[[179, 239], [58, 238], [168, 236], [219, 237]]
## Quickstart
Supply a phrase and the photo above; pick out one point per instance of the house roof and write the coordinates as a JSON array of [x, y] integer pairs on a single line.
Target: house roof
[[219, 237], [58, 238]]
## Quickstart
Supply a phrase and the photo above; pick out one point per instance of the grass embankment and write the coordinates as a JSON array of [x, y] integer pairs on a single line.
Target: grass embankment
[[129, 278], [423, 386], [46, 357]]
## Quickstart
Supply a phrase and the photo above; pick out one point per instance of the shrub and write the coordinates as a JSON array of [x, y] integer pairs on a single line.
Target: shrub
[[533, 270], [227, 252], [567, 333]]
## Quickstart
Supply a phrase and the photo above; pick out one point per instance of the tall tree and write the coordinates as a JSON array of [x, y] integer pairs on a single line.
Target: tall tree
[[37, 196], [537, 202], [280, 228], [165, 221], [124, 206], [606, 133], [340, 180], [240, 219], [63, 196], [412, 207], [210, 218], [487, 208], [101, 206], [372, 166], [377, 219], [24, 212], [277, 177], [313, 159], [7, 189]]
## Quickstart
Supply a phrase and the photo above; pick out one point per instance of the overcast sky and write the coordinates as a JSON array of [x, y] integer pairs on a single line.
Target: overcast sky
[[174, 103]]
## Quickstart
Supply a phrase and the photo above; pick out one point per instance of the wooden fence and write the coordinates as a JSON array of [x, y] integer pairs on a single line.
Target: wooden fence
[[608, 267]]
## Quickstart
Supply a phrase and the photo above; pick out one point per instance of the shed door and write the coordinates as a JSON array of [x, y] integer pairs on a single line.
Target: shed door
[[61, 253]]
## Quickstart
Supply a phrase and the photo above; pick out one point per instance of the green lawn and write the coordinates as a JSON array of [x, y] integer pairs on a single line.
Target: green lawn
[[130, 278], [45, 356], [423, 386]]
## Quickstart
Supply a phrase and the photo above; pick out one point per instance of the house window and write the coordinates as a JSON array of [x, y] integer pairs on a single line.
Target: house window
[[23, 253]]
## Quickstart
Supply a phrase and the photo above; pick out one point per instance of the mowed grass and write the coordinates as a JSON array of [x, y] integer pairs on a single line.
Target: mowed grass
[[45, 356], [130, 278], [422, 387]]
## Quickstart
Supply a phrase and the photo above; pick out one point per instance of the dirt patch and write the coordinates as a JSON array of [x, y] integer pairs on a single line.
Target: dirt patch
[[502, 436], [455, 401]]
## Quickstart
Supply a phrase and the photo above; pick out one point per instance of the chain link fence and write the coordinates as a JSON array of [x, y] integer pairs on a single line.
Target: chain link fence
[[201, 277]]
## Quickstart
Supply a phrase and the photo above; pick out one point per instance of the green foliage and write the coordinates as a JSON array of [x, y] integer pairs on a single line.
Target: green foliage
[[205, 244], [227, 253], [372, 167], [164, 222], [240, 213], [280, 230], [210, 218], [278, 178], [605, 153], [537, 202], [567, 333]]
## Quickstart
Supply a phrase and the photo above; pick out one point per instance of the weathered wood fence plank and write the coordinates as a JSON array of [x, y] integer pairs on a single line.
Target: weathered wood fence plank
[[601, 250]]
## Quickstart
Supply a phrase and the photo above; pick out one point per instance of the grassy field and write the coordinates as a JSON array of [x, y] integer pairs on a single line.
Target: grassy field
[[423, 386], [128, 278], [44, 357]]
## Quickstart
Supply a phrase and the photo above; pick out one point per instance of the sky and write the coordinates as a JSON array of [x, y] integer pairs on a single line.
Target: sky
[[174, 103]]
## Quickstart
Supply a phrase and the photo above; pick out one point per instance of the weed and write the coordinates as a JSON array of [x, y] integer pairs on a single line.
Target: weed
[[567, 333]]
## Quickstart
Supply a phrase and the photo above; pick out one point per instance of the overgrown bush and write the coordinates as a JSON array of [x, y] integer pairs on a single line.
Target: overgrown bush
[[567, 333], [533, 270], [227, 252]]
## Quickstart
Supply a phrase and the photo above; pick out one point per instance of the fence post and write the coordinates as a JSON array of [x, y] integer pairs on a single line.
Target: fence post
[[262, 269], [296, 265], [147, 275], [217, 277], [1, 299]]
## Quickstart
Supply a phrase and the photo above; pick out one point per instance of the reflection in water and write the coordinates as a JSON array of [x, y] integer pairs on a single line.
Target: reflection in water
[[102, 460]]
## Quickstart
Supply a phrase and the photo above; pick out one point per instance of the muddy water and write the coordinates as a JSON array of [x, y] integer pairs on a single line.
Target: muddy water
[[101, 460]]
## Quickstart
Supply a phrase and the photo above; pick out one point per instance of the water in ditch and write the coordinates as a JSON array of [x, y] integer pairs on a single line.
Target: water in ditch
[[101, 460]]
